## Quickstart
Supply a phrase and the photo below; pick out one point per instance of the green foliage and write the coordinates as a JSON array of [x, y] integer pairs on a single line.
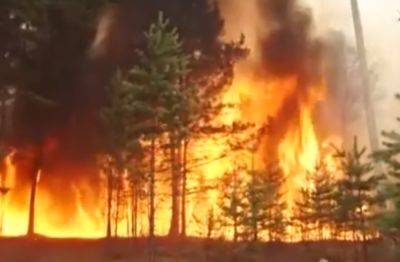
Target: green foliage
[[152, 100], [390, 154], [115, 117], [232, 201], [357, 194], [148, 100], [263, 206], [255, 205], [252, 204], [315, 210], [159, 101], [389, 221], [275, 222]]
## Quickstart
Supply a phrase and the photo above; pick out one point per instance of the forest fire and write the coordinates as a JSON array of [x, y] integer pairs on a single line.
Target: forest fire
[[51, 219], [231, 148], [300, 149], [285, 89], [282, 86], [84, 216]]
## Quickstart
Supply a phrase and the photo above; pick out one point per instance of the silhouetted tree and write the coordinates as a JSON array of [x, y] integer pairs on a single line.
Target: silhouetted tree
[[302, 217], [119, 141], [263, 205], [32, 34], [390, 219], [357, 195], [275, 223], [165, 65], [232, 201]]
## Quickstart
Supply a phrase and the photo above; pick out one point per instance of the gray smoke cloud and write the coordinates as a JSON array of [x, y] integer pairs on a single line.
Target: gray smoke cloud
[[382, 36]]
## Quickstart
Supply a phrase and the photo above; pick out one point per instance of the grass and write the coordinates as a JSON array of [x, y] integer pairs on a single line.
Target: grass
[[191, 249]]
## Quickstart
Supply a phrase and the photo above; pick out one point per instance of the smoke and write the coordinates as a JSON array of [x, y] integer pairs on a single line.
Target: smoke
[[288, 50], [72, 66], [382, 35]]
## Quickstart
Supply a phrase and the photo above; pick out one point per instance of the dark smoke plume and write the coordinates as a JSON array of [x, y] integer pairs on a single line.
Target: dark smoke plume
[[72, 70], [288, 50], [71, 64]]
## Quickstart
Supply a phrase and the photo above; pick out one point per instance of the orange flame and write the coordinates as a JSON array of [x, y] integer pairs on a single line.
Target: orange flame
[[254, 99]]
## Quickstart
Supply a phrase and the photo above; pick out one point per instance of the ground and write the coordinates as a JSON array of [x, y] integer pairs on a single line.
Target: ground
[[193, 250]]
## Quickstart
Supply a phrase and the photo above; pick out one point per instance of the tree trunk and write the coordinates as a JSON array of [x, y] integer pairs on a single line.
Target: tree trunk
[[134, 210], [255, 234], [151, 255], [254, 206], [32, 200], [152, 189], [128, 223], [210, 224], [36, 169], [235, 208], [117, 207], [109, 201], [174, 226], [364, 236], [235, 231], [321, 231], [269, 218], [184, 180]]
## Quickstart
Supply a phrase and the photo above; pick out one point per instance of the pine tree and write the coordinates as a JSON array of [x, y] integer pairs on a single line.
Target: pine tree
[[275, 222], [317, 205], [177, 100], [254, 206], [389, 221], [357, 196], [231, 202], [146, 103], [161, 104], [302, 217], [137, 182], [263, 206], [119, 142], [322, 199]]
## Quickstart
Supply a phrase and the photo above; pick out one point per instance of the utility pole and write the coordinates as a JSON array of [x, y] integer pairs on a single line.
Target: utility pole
[[367, 90]]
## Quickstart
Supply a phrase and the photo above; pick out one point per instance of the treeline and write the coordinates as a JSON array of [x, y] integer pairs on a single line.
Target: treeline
[[166, 95], [156, 109], [332, 204]]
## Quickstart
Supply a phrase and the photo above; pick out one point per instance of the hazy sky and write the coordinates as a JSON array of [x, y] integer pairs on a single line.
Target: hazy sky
[[382, 32]]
